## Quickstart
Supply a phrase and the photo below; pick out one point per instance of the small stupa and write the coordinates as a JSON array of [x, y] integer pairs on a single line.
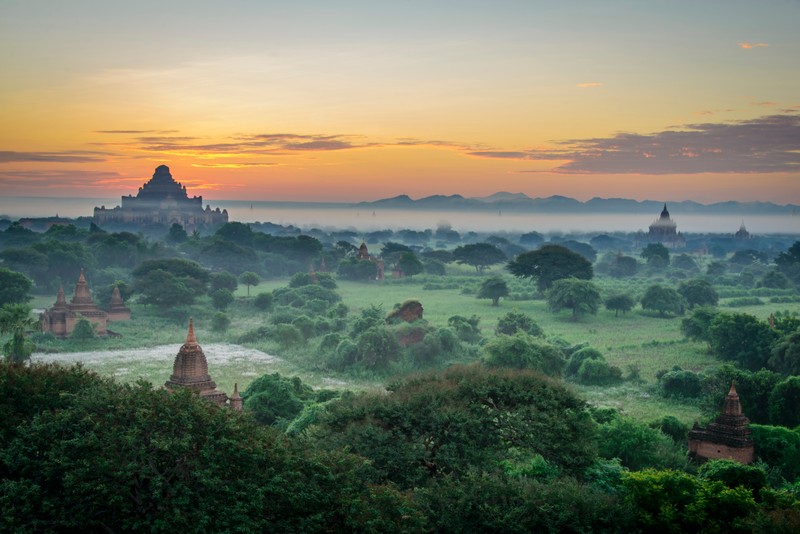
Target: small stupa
[[190, 370], [727, 437], [117, 311]]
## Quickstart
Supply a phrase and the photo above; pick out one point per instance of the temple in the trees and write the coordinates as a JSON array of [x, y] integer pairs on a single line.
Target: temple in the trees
[[162, 200], [727, 437], [190, 370], [60, 320], [664, 230]]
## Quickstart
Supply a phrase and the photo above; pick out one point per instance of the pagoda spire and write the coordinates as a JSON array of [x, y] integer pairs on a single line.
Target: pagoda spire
[[732, 404], [190, 339]]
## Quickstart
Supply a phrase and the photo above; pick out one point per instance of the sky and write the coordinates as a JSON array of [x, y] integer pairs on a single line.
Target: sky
[[360, 100]]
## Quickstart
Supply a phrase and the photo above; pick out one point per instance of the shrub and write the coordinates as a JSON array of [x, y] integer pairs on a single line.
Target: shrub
[[681, 383], [287, 335], [83, 331], [263, 301], [516, 321], [521, 351], [220, 322], [598, 372], [221, 298], [578, 357]]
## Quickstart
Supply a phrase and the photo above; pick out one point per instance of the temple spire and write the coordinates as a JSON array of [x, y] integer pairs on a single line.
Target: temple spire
[[732, 404], [190, 339]]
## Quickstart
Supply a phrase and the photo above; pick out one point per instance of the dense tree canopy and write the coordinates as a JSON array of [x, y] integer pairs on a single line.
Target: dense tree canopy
[[698, 292], [451, 422], [493, 288], [550, 263], [580, 296], [663, 299], [619, 302], [14, 287], [742, 338], [479, 255]]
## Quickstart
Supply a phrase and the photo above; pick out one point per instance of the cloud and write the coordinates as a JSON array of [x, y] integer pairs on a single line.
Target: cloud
[[42, 179], [76, 156], [232, 165], [134, 132], [587, 85], [747, 46], [764, 145]]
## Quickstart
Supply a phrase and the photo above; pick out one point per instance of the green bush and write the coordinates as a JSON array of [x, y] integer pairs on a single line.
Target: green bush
[[599, 373], [263, 301], [83, 331], [515, 321], [220, 322], [681, 383], [578, 357], [522, 351]]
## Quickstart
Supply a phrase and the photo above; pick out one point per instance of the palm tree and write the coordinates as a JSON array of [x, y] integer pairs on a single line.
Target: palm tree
[[15, 319]]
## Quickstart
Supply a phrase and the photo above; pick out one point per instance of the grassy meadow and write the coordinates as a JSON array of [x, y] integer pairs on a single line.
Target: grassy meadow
[[637, 342]]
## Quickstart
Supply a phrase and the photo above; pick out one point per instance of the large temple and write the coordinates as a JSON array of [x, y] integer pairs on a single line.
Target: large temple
[[664, 230], [162, 200], [727, 437], [190, 371], [60, 320]]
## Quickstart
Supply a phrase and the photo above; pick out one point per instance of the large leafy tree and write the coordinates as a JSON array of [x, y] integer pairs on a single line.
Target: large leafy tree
[[14, 287], [190, 273], [789, 262], [409, 264], [550, 263], [164, 289], [785, 357], [580, 296], [461, 420], [698, 292], [479, 255], [663, 299], [742, 338], [697, 326], [655, 250], [493, 288], [620, 302]]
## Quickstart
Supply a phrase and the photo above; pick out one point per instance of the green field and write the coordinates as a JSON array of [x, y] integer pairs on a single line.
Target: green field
[[635, 340]]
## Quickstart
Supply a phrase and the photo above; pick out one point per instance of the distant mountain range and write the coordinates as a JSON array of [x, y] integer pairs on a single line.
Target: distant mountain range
[[522, 203]]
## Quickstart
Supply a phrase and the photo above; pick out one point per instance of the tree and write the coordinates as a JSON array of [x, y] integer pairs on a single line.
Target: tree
[[263, 301], [623, 266], [684, 262], [479, 255], [223, 280], [580, 296], [273, 399], [83, 331], [775, 279], [742, 338], [789, 262], [785, 357], [663, 300], [193, 276], [784, 403], [163, 289], [461, 420], [550, 263], [15, 319], [493, 288], [655, 250], [249, 278], [409, 264], [221, 298], [697, 326], [177, 234], [516, 321], [698, 292], [220, 322], [377, 348], [621, 302], [14, 287]]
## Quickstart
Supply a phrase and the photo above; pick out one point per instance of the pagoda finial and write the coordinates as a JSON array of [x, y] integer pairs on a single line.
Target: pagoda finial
[[732, 405], [236, 391], [81, 278], [190, 339]]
